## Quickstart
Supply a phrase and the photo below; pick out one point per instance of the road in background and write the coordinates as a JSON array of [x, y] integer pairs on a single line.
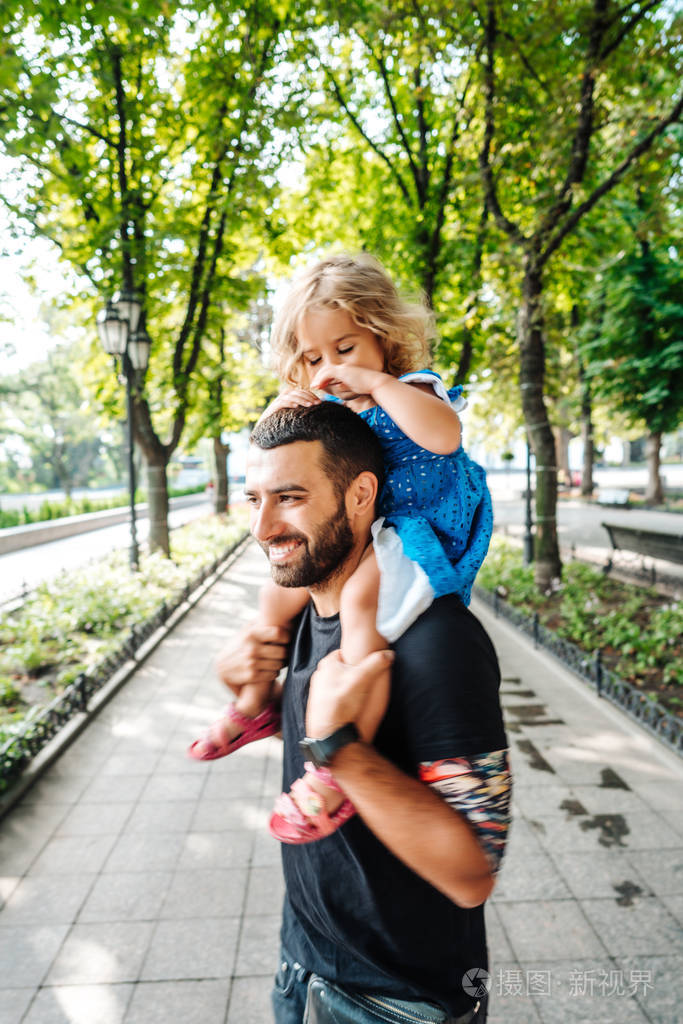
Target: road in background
[[32, 566]]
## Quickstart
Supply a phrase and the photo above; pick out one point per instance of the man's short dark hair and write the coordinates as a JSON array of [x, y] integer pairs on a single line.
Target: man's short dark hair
[[349, 445]]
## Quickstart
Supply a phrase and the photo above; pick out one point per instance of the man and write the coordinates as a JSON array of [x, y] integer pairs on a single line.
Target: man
[[383, 920]]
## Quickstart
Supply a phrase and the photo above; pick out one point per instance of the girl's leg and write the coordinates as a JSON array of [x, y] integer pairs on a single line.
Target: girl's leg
[[358, 614], [277, 607]]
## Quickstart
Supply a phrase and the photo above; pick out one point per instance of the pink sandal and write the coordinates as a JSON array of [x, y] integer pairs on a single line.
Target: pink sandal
[[267, 723], [291, 823]]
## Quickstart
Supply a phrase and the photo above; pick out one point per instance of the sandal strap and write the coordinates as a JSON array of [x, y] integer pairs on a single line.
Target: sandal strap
[[323, 775]]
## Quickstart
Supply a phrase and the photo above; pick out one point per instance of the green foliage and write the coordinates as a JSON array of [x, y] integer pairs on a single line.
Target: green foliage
[[637, 630], [633, 343], [69, 625]]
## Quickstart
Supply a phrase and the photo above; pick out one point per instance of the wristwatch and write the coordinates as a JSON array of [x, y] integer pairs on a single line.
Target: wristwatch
[[321, 752]]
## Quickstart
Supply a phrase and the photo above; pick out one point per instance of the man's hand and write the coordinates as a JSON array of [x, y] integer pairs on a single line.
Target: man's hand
[[358, 379], [290, 400], [257, 656], [342, 693]]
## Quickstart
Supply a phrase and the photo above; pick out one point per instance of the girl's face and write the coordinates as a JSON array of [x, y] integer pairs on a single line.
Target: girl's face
[[330, 337]]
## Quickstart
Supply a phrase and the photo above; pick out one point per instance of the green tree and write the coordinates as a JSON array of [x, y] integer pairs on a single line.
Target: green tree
[[45, 411], [574, 95], [151, 131], [633, 346]]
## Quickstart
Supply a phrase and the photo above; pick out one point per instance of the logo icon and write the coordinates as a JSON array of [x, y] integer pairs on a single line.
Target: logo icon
[[476, 982]]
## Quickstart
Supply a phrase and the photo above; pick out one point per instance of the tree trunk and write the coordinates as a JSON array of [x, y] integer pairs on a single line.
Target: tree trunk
[[562, 438], [655, 491], [157, 496], [221, 490], [547, 563]]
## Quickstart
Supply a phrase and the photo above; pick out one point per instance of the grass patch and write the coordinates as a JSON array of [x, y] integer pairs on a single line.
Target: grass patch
[[638, 630], [71, 623]]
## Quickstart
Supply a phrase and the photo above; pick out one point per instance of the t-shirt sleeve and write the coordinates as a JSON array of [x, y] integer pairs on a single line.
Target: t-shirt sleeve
[[445, 687], [452, 396]]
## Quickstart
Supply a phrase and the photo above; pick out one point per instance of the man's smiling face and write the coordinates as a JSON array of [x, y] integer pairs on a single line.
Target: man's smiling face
[[296, 515]]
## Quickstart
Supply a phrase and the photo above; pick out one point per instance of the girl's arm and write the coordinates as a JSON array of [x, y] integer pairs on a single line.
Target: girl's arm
[[424, 418]]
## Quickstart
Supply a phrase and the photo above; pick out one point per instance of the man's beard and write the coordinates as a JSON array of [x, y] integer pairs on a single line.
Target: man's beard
[[320, 561]]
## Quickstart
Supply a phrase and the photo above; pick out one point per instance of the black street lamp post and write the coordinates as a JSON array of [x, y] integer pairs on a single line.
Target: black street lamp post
[[117, 326], [528, 534]]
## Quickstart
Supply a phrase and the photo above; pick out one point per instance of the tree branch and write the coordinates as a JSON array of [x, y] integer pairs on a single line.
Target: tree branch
[[638, 16], [371, 143], [613, 179], [578, 159], [415, 171], [506, 225]]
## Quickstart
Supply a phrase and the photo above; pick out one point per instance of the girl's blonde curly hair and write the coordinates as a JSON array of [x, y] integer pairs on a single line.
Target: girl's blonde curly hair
[[361, 286]]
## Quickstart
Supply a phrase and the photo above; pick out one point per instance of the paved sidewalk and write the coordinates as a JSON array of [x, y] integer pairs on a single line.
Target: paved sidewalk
[[138, 886]]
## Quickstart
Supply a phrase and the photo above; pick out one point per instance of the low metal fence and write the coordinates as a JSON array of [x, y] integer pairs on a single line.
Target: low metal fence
[[646, 710], [35, 733]]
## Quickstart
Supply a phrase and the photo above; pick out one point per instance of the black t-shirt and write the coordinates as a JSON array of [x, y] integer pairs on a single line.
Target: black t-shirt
[[354, 913]]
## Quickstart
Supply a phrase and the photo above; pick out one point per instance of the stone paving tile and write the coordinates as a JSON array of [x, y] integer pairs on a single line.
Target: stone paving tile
[[93, 819], [250, 1001], [265, 891], [266, 851], [598, 874], [577, 991], [642, 927], [523, 841], [141, 852], [65, 855], [208, 893], [498, 946], [126, 896], [674, 904], [27, 951], [259, 945], [54, 788], [47, 899], [245, 781], [556, 927], [205, 850], [122, 763], [602, 800], [662, 795], [103, 953], [168, 816], [161, 787], [192, 1002], [532, 877], [660, 985], [509, 1002], [17, 853], [661, 869], [219, 815], [533, 799], [115, 788], [191, 949], [13, 1004], [80, 1004], [8, 884]]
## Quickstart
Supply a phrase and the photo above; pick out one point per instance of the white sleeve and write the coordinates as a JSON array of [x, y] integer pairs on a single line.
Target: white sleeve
[[427, 377]]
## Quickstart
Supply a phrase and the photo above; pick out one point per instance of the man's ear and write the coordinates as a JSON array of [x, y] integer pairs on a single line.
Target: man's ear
[[362, 494]]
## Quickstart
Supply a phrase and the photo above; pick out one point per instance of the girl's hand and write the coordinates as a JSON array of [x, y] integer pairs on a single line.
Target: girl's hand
[[291, 400], [356, 379]]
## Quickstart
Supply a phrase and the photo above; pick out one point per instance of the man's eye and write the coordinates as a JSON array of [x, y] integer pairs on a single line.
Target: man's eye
[[252, 500]]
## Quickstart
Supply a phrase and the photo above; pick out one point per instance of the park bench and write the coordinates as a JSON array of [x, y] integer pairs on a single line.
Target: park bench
[[613, 496], [652, 543]]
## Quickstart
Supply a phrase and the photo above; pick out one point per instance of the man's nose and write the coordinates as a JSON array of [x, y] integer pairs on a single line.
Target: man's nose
[[265, 522]]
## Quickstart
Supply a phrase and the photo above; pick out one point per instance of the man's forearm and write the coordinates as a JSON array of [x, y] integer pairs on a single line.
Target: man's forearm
[[414, 823]]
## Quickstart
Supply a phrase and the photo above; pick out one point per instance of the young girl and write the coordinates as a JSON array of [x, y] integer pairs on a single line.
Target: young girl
[[344, 330]]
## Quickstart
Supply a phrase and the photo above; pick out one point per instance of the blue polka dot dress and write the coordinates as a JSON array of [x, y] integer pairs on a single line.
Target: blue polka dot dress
[[440, 508]]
